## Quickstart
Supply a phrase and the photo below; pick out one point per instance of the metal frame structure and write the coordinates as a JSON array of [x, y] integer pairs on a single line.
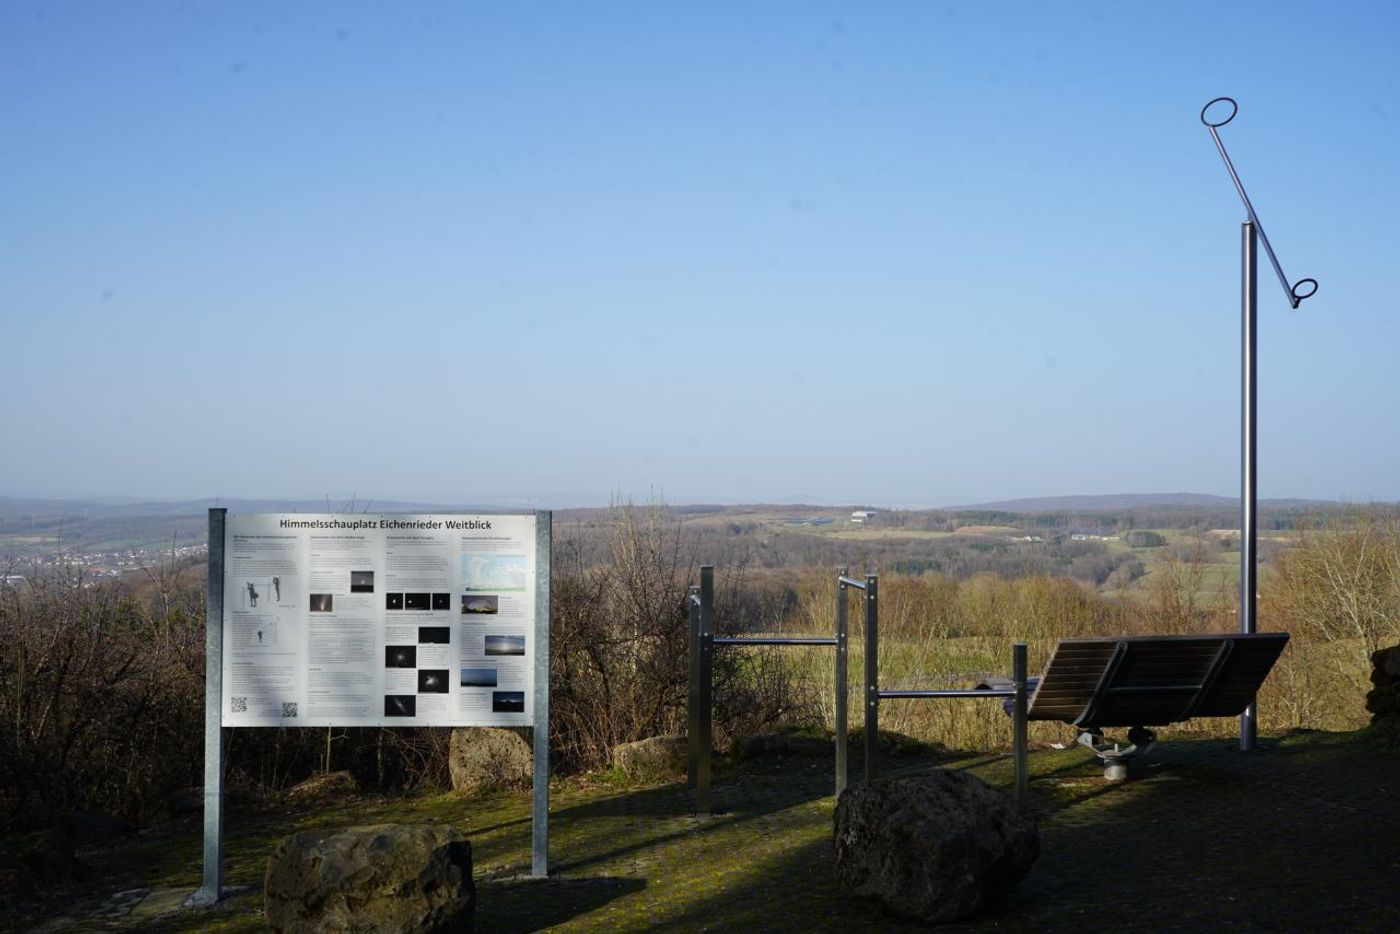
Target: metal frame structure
[[1252, 234], [700, 605], [211, 890], [873, 695]]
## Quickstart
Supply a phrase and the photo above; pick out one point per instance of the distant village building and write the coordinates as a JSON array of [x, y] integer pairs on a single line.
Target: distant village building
[[860, 515]]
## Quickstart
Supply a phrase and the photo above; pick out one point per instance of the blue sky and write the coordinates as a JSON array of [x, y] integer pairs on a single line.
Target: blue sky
[[903, 254]]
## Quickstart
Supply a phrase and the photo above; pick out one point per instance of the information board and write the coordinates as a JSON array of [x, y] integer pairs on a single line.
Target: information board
[[379, 620]]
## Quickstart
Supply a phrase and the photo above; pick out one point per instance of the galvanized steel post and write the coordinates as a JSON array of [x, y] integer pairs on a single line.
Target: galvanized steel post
[[707, 635], [212, 889], [841, 668], [539, 812], [1019, 737], [692, 731], [872, 674]]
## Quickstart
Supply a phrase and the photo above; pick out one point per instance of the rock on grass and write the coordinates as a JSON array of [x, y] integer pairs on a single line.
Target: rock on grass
[[415, 879], [935, 847]]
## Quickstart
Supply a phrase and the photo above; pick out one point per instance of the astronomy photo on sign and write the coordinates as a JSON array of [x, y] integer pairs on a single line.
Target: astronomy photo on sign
[[478, 677], [480, 604], [508, 701], [400, 705], [400, 656], [505, 645], [432, 681]]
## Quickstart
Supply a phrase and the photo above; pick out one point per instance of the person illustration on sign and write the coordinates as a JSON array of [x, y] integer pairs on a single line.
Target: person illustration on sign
[[277, 589], [252, 594]]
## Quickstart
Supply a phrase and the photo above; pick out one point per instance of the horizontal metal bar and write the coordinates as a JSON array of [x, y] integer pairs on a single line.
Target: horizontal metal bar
[[775, 640], [850, 582], [948, 692]]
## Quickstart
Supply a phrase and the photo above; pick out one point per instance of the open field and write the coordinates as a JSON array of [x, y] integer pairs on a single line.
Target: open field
[[860, 534], [990, 530], [1207, 838]]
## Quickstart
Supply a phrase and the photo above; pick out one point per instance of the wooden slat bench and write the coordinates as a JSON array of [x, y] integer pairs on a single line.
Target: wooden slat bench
[[1145, 681]]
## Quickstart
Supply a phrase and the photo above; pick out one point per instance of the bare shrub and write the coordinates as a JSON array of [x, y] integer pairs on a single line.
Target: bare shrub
[[1177, 602], [619, 642], [97, 694], [1341, 583]]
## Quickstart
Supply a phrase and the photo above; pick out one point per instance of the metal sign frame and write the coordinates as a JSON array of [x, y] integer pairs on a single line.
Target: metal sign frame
[[211, 890]]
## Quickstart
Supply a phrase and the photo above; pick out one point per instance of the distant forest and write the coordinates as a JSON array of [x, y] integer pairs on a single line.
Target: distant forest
[[782, 537]]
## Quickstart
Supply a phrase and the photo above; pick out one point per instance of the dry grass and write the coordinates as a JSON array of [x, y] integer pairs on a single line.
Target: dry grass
[[939, 633]]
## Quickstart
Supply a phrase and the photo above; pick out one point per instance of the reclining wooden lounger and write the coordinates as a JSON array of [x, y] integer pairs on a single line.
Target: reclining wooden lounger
[[1145, 681]]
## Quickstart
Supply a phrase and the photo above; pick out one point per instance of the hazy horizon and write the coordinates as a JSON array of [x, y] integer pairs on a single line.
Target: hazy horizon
[[901, 254], [357, 502]]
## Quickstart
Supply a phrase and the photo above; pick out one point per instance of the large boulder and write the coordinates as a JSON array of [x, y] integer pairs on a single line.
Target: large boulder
[[785, 743], [1383, 700], [654, 757], [936, 847], [487, 759], [408, 878]]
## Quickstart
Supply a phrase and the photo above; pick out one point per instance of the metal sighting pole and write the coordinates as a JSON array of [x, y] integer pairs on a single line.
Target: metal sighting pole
[[1249, 411], [1253, 233]]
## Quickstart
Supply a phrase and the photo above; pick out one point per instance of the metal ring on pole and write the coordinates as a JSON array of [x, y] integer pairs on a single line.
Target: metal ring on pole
[[1297, 291], [1234, 109]]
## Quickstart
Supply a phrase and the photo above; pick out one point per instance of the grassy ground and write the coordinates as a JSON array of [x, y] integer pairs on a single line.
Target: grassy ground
[[1299, 835]]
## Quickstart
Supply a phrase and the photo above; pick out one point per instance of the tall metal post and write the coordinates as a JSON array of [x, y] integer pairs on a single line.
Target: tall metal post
[[692, 732], [872, 675], [1019, 738], [841, 667], [211, 890], [707, 649], [539, 812], [1249, 411]]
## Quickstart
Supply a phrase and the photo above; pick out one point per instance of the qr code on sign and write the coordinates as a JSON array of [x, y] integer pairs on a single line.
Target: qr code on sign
[[289, 709], [239, 705]]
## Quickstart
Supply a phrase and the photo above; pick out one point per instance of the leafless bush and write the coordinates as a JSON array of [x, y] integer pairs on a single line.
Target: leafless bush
[[619, 644], [1342, 583], [99, 697]]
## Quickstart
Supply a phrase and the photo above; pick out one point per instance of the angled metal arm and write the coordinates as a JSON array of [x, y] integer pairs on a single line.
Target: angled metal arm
[[1303, 288]]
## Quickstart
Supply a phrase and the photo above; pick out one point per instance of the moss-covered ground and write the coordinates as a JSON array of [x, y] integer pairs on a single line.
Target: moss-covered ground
[[1302, 834]]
